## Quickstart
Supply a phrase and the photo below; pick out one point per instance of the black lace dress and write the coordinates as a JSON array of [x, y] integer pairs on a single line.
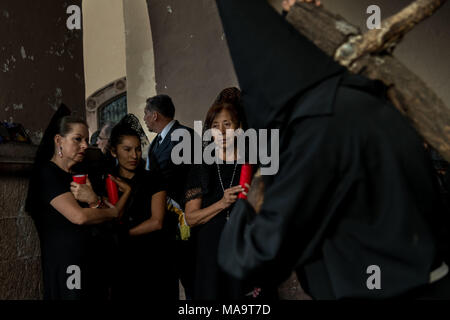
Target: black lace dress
[[210, 282]]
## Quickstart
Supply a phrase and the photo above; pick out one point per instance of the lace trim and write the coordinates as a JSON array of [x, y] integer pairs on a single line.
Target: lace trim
[[193, 193]]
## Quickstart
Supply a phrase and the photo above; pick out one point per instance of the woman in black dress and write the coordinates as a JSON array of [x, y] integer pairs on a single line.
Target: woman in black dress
[[211, 193], [71, 269], [145, 269]]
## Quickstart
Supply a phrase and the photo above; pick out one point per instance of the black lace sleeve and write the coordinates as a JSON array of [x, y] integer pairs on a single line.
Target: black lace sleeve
[[194, 182]]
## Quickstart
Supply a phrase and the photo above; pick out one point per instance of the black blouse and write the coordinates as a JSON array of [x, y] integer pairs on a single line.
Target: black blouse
[[144, 185], [55, 230], [62, 242], [204, 182]]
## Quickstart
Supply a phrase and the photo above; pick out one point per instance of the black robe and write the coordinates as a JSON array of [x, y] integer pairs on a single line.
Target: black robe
[[355, 187]]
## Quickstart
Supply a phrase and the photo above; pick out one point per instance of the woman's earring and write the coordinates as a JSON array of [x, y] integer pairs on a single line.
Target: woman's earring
[[60, 152]]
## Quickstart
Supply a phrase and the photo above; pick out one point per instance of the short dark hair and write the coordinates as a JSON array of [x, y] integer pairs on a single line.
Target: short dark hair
[[161, 103], [237, 115]]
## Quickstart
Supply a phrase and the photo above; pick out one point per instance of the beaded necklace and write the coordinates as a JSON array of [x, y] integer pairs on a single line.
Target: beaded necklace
[[231, 183]]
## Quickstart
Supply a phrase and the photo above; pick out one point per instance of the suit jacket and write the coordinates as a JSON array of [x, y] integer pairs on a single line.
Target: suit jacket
[[160, 159]]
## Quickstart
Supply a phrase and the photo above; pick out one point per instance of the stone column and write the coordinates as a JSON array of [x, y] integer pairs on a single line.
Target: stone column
[[140, 60], [192, 60], [104, 47], [20, 265]]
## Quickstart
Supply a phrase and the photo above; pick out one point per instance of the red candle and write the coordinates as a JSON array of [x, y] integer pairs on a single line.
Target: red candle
[[111, 188], [79, 178], [246, 177]]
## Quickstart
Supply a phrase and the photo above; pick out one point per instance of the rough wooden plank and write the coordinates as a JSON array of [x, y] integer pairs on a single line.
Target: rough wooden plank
[[330, 32], [391, 32]]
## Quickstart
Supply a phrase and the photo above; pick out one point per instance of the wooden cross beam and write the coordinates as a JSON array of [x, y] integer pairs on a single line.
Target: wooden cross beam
[[370, 54]]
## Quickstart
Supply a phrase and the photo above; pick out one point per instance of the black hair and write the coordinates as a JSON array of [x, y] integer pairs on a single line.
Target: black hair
[[228, 99], [128, 126], [163, 104], [61, 123], [118, 133], [65, 124]]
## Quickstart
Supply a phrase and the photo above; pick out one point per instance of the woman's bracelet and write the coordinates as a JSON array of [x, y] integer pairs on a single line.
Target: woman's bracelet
[[97, 204]]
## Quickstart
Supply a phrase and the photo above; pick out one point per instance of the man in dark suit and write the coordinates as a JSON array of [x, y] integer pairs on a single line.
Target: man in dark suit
[[159, 118]]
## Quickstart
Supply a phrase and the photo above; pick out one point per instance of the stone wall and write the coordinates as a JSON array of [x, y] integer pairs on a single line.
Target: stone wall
[[192, 60], [20, 266], [41, 66], [41, 63]]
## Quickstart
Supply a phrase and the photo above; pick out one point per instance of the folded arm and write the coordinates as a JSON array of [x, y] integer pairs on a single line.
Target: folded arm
[[157, 216], [69, 208]]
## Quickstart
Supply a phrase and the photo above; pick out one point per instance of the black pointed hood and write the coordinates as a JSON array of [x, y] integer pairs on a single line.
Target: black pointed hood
[[274, 62]]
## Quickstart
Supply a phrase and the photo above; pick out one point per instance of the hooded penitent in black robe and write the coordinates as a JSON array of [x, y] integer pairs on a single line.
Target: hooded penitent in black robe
[[355, 187]]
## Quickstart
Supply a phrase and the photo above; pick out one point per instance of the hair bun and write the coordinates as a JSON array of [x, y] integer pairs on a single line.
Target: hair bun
[[128, 125]]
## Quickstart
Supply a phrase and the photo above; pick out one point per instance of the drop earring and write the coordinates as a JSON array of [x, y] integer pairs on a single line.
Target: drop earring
[[60, 152]]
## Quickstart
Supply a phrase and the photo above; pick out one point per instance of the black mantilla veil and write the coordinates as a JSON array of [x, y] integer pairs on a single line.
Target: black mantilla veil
[[127, 123], [47, 147], [44, 153]]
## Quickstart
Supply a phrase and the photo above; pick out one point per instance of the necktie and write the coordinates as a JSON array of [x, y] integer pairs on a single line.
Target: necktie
[[157, 142]]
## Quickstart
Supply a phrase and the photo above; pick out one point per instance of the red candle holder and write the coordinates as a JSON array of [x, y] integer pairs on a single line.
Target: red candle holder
[[111, 189], [246, 177]]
